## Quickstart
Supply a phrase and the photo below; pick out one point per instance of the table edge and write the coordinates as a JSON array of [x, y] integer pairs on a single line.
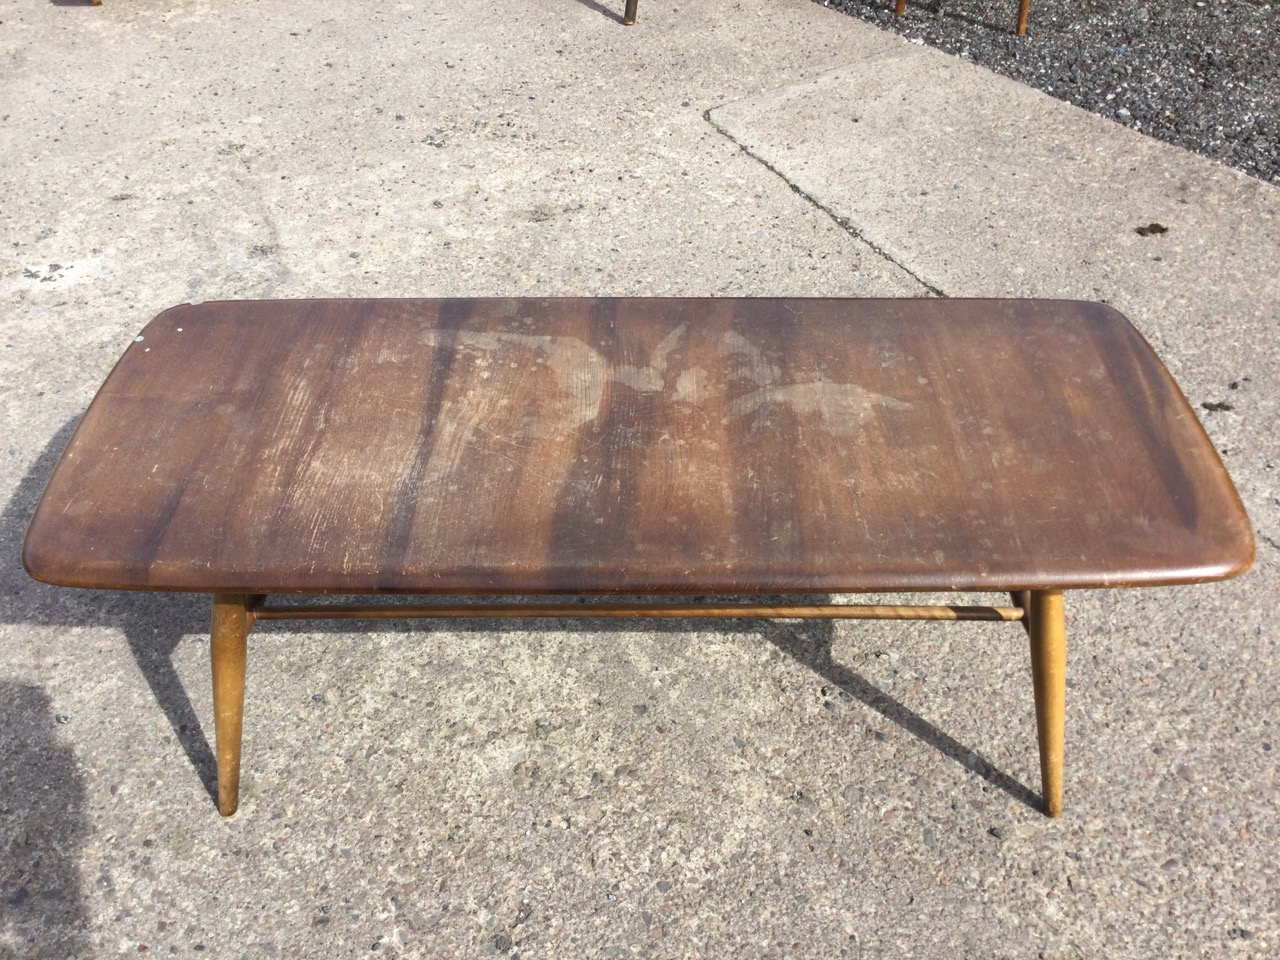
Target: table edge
[[1225, 567]]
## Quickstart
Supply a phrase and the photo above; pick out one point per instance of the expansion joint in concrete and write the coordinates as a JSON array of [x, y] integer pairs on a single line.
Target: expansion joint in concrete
[[839, 221]]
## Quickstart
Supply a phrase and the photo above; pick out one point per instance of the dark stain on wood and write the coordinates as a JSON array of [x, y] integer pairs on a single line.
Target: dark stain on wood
[[638, 446]]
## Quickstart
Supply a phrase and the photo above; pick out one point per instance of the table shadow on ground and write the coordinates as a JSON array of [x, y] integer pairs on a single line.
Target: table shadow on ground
[[153, 625], [42, 828]]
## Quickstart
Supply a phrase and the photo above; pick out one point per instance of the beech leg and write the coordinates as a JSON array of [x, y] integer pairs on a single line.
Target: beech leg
[[228, 647], [1022, 598], [1048, 630]]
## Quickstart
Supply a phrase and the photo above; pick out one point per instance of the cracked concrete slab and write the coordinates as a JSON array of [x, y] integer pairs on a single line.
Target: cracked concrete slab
[[543, 790]]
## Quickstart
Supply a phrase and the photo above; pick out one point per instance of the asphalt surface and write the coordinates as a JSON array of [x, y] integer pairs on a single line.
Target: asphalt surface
[[1200, 74]]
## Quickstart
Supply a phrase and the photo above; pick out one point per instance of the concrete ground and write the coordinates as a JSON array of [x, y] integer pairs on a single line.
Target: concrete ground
[[638, 790]]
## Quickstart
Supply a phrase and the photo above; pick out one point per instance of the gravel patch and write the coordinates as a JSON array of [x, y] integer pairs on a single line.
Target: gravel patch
[[1200, 74]]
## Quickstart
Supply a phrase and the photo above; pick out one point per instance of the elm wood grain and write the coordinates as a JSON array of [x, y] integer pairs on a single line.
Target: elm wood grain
[[638, 446]]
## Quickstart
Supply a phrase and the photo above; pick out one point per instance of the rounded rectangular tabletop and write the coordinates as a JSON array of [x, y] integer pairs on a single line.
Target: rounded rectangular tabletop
[[637, 446]]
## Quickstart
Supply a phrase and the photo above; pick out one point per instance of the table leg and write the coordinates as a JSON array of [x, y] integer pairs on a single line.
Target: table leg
[[228, 647], [1049, 676], [1024, 11], [1022, 598], [629, 14]]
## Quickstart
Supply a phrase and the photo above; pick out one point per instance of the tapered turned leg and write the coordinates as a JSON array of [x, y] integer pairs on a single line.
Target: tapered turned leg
[[1024, 11], [1022, 598], [228, 646], [1049, 676], [629, 15]]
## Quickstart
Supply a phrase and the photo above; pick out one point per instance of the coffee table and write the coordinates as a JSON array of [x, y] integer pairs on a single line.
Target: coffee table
[[645, 448]]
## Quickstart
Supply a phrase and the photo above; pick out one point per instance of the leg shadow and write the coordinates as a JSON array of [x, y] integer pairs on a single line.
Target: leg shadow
[[811, 644], [602, 9], [154, 625]]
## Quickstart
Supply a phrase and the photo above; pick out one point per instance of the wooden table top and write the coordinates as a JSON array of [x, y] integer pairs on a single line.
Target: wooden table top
[[639, 447]]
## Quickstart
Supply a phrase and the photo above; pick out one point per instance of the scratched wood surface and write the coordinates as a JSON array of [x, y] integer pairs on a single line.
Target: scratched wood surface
[[637, 446]]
